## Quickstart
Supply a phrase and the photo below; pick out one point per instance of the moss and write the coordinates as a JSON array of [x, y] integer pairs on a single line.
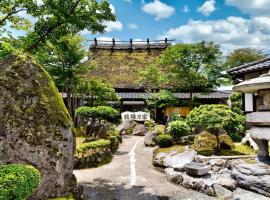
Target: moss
[[121, 67], [205, 142], [177, 148], [34, 101], [67, 197]]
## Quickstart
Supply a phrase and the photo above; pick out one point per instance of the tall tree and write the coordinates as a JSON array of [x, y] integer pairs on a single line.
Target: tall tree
[[56, 18], [63, 61], [243, 55], [193, 67]]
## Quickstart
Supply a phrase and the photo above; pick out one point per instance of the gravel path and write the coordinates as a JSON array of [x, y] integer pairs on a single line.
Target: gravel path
[[131, 176]]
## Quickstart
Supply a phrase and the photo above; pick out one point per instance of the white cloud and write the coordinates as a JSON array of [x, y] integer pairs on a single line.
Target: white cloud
[[106, 39], [207, 8], [158, 9], [132, 26], [253, 7], [113, 26], [231, 33], [186, 9], [112, 8]]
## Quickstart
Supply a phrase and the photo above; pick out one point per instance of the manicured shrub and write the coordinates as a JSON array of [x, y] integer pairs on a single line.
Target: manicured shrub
[[18, 181], [150, 124], [214, 117], [160, 129], [96, 145], [164, 140], [101, 112], [178, 129]]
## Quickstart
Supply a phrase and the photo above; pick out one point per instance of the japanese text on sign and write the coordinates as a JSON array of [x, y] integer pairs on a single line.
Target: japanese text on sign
[[137, 116]]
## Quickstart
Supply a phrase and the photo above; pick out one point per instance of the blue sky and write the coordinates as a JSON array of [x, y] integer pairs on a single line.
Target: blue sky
[[232, 23]]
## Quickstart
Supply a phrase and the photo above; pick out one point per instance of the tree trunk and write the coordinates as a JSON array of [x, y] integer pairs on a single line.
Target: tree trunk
[[218, 141], [190, 100]]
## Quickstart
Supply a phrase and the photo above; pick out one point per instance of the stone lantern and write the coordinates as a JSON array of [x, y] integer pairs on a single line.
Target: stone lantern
[[260, 119]]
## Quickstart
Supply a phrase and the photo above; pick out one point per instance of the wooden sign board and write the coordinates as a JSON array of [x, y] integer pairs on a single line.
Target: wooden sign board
[[136, 116]]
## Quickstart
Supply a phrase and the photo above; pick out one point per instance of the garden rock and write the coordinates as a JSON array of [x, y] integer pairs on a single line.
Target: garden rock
[[254, 177], [222, 193], [174, 176], [158, 159], [139, 129], [126, 127], [35, 127], [178, 160], [187, 140], [150, 138]]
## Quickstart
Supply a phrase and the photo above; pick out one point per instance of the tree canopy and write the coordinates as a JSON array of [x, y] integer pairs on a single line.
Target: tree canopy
[[193, 67], [243, 55]]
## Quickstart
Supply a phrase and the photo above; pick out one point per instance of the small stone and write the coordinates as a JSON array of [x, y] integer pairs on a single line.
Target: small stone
[[215, 168], [150, 138], [174, 176], [158, 159], [210, 191], [223, 193], [199, 186], [187, 181], [217, 162]]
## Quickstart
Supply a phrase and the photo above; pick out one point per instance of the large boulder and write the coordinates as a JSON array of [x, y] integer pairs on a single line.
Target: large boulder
[[150, 138], [35, 127], [254, 177], [205, 143], [126, 127], [139, 129]]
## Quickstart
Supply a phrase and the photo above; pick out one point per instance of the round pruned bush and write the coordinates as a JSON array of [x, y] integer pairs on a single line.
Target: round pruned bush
[[216, 116], [18, 181], [178, 129], [100, 112], [164, 141]]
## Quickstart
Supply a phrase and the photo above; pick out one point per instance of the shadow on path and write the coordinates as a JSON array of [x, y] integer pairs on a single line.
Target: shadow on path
[[101, 189]]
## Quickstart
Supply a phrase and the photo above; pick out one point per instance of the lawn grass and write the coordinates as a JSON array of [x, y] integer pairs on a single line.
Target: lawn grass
[[177, 148]]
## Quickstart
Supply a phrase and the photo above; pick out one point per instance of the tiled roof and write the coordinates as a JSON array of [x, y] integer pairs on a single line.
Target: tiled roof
[[141, 95], [263, 64]]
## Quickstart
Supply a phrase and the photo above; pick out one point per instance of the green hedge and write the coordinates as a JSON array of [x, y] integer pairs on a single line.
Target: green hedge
[[99, 144], [101, 112], [18, 181], [178, 129], [164, 141]]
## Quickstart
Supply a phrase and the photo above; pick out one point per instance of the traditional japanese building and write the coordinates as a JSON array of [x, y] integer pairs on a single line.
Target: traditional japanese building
[[246, 72], [119, 62]]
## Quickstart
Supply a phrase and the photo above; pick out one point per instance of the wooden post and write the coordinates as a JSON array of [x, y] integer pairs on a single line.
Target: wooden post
[[148, 44], [95, 42]]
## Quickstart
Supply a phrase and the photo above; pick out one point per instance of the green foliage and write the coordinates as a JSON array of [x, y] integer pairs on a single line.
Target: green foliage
[[164, 141], [216, 116], [99, 144], [100, 112], [178, 129], [150, 124], [5, 49], [96, 92], [242, 56], [18, 181], [160, 129], [193, 67], [162, 98], [236, 102]]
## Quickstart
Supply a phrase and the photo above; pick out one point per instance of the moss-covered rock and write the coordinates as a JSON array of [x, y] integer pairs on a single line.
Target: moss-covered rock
[[35, 127], [205, 143]]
